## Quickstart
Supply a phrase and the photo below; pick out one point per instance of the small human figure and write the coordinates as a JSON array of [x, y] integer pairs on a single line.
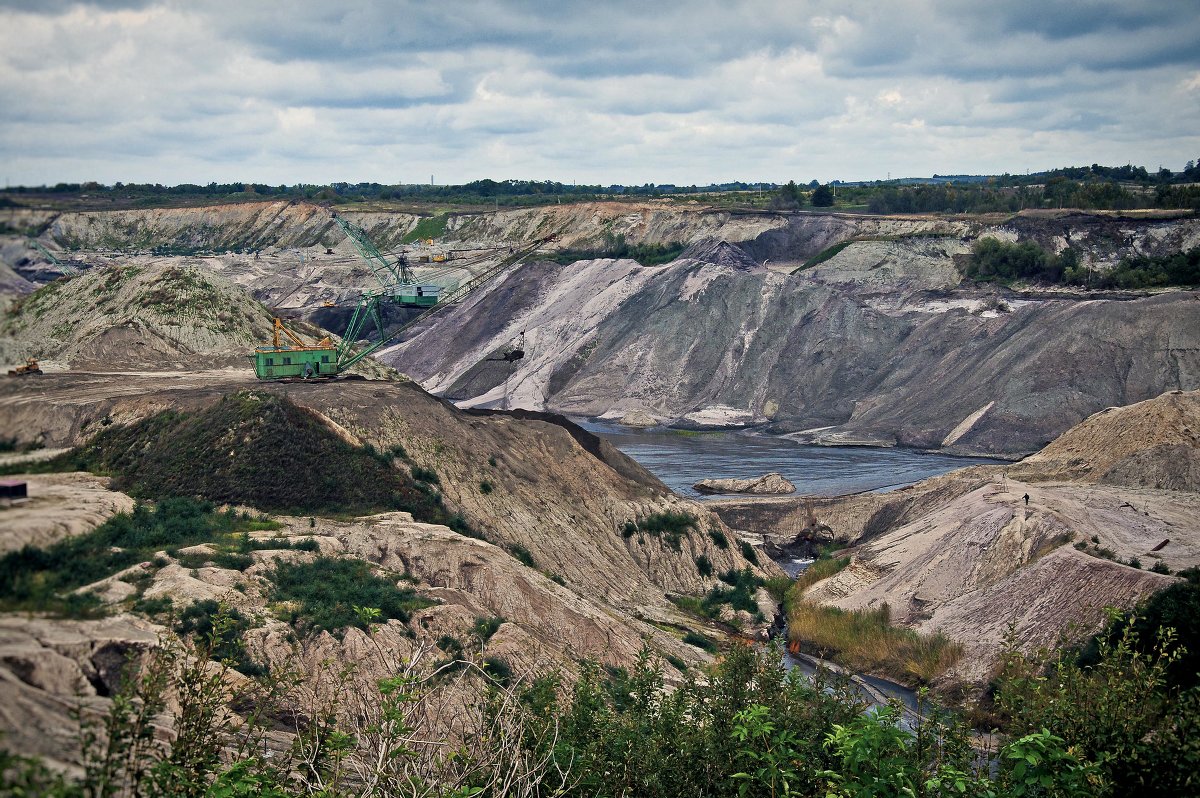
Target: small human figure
[[1026, 499]]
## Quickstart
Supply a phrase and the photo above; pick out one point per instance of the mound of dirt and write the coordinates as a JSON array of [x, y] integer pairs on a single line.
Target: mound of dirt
[[138, 317], [156, 318], [1151, 444]]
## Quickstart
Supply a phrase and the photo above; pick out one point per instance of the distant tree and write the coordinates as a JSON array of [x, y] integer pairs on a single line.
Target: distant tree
[[822, 197], [788, 197]]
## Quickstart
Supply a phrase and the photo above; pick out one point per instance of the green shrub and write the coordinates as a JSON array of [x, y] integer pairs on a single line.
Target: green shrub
[[700, 641], [222, 629], [425, 475], [485, 487], [522, 554], [704, 566], [191, 454], [328, 593], [498, 670], [486, 627], [676, 663], [670, 526], [718, 538], [749, 553], [40, 580]]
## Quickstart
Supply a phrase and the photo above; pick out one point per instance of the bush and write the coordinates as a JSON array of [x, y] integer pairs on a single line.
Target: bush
[[425, 475], [39, 580], [700, 641], [749, 553], [704, 566], [718, 538], [670, 526], [329, 594], [486, 627], [221, 628], [194, 454], [522, 554]]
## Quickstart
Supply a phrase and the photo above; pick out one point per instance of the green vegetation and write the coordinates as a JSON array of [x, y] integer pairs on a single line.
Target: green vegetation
[[522, 554], [823, 255], [1176, 608], [700, 641], [822, 197], [992, 259], [427, 227], [228, 452], [41, 579], [704, 566], [866, 641], [617, 247], [738, 593], [222, 628], [670, 526], [747, 728], [822, 568], [329, 594], [1181, 268], [718, 538], [749, 553]]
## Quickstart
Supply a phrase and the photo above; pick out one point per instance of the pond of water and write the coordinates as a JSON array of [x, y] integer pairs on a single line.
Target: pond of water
[[681, 458]]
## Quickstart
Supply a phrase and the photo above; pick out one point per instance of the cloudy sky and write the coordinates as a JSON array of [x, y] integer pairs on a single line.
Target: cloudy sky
[[596, 92]]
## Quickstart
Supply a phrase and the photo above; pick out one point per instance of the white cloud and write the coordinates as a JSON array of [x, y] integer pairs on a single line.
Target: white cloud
[[629, 92]]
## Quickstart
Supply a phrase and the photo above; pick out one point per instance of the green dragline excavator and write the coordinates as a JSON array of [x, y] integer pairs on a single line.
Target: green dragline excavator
[[298, 359]]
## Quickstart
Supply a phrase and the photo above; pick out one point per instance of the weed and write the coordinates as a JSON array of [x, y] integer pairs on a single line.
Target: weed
[[820, 569], [749, 553], [522, 554], [486, 627], [324, 593], [865, 640]]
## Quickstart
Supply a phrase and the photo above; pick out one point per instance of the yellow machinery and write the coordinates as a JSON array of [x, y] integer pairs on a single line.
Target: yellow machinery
[[31, 367]]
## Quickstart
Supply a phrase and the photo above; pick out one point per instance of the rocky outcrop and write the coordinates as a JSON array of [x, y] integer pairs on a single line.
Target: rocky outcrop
[[772, 483]]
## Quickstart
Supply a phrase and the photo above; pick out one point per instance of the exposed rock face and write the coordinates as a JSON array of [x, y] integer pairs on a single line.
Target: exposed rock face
[[710, 346], [59, 506], [773, 483], [879, 344]]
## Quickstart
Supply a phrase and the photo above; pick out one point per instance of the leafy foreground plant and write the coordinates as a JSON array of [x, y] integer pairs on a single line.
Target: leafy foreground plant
[[750, 729]]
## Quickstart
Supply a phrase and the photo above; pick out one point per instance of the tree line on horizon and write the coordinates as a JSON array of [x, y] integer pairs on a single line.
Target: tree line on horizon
[[1094, 188]]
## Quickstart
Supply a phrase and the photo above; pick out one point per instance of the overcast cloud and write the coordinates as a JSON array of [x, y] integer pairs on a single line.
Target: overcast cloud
[[596, 92]]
